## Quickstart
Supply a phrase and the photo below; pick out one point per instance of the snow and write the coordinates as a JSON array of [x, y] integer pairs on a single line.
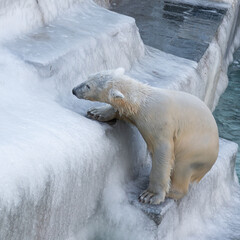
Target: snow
[[18, 16], [63, 175], [53, 160], [208, 211]]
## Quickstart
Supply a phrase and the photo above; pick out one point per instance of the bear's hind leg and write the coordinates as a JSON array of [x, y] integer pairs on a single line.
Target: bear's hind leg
[[180, 180], [102, 114], [159, 181]]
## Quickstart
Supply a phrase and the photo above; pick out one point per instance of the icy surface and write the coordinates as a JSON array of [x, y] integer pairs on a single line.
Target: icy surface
[[63, 175], [51, 177], [219, 55], [17, 16], [210, 209], [228, 110], [47, 44]]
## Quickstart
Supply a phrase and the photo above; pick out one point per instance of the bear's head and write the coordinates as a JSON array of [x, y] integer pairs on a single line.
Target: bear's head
[[114, 87], [100, 86]]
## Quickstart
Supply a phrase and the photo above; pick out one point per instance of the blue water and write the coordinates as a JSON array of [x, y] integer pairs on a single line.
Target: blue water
[[227, 113]]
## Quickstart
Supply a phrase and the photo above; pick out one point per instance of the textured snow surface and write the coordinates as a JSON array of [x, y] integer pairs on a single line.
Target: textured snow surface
[[63, 175], [17, 16], [209, 211], [53, 161]]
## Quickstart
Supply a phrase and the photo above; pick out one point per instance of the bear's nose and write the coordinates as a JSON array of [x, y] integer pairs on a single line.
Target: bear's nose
[[74, 91]]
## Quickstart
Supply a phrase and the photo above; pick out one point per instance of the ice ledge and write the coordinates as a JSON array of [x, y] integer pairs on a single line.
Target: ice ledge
[[82, 27]]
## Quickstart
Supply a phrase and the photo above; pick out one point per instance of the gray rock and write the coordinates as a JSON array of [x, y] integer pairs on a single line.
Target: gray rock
[[154, 212]]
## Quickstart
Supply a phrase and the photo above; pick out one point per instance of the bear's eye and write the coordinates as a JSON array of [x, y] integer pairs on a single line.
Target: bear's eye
[[87, 86]]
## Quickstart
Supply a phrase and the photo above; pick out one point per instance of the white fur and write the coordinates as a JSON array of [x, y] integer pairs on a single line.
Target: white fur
[[179, 129]]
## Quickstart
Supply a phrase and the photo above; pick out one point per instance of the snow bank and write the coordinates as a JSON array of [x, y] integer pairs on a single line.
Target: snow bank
[[207, 212], [53, 161], [18, 17]]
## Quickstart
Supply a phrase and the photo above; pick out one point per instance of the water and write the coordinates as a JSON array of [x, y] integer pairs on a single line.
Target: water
[[227, 113], [190, 28]]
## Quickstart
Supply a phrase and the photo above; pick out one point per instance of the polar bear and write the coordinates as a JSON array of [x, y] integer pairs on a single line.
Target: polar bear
[[179, 129]]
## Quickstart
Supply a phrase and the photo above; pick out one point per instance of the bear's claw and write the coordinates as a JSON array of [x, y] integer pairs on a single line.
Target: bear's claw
[[102, 114], [151, 198], [94, 114]]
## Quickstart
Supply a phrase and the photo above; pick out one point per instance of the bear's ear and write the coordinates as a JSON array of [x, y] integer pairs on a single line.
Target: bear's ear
[[119, 72], [114, 93]]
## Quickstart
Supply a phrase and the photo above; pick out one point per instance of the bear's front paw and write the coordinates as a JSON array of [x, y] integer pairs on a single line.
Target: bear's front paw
[[103, 114], [95, 113], [151, 198]]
